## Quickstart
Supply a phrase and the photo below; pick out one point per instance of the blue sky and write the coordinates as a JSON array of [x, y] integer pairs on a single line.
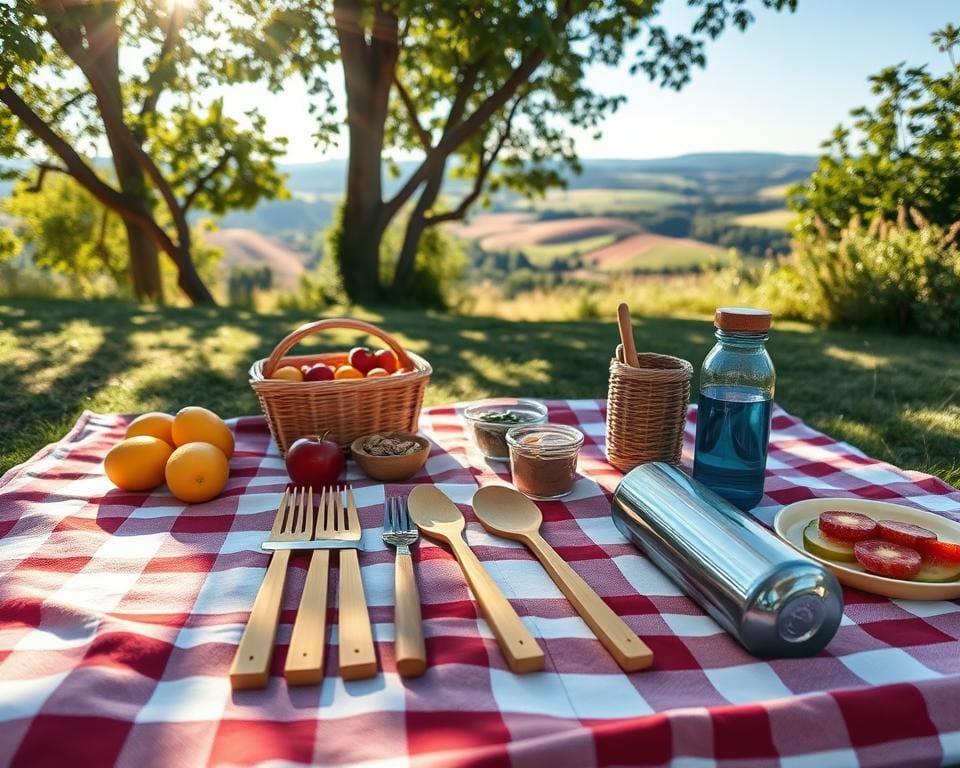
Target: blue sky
[[781, 86]]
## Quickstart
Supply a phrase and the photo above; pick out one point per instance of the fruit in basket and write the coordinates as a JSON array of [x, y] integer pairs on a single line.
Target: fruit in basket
[[886, 558], [386, 359], [319, 372], [314, 461], [153, 424], [829, 549], [197, 472], [847, 526], [376, 373], [137, 463], [347, 372], [904, 533], [200, 425], [288, 372], [362, 359]]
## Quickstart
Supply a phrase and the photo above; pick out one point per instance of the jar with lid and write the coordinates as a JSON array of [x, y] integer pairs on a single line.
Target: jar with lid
[[733, 413]]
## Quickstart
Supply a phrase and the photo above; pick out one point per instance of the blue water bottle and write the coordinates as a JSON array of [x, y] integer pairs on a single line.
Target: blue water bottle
[[733, 415]]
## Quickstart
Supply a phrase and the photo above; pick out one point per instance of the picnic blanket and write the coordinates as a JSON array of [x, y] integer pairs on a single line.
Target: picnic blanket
[[120, 613]]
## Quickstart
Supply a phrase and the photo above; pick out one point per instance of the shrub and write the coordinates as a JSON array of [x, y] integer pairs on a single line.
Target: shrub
[[890, 275]]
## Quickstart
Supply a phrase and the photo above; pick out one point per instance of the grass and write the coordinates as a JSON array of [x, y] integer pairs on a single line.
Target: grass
[[779, 218], [896, 398], [543, 255], [603, 202]]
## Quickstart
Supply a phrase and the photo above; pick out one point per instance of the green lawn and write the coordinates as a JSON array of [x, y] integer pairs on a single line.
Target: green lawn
[[779, 218], [896, 398], [602, 201]]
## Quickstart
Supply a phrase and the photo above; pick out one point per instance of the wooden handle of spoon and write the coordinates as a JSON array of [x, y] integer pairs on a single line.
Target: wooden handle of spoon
[[516, 643], [630, 652], [626, 336]]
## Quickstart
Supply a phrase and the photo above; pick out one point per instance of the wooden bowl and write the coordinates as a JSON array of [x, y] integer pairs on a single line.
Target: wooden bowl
[[391, 468]]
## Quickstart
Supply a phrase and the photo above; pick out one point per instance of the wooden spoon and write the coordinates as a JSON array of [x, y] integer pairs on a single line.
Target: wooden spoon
[[438, 517], [626, 336], [510, 514]]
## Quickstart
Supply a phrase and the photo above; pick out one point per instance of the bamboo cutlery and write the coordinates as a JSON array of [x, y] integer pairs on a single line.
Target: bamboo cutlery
[[334, 524]]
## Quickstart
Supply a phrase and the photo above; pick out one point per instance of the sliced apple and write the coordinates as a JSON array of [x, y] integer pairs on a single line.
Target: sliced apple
[[829, 549]]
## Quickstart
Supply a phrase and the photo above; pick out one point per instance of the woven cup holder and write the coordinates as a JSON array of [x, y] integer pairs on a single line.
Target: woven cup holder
[[646, 409]]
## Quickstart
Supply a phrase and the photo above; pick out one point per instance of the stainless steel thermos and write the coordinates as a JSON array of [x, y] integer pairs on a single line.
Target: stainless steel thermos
[[776, 602]]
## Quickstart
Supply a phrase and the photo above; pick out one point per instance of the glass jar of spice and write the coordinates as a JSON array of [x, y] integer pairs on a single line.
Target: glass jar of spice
[[543, 459]]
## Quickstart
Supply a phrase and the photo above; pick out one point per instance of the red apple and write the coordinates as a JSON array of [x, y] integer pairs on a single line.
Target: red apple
[[362, 359], [318, 372], [386, 359], [314, 461]]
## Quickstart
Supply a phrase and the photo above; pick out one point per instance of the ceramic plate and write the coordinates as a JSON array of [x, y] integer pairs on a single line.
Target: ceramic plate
[[792, 519]]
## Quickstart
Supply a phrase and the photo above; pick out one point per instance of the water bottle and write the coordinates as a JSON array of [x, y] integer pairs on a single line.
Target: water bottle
[[733, 413]]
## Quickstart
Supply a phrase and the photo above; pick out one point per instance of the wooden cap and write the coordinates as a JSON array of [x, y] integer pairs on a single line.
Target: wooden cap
[[745, 319]]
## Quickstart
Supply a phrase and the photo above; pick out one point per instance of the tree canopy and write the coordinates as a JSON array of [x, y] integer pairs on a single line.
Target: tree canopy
[[904, 152], [135, 81]]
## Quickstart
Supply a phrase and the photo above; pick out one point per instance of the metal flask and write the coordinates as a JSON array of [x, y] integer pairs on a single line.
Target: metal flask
[[776, 602]]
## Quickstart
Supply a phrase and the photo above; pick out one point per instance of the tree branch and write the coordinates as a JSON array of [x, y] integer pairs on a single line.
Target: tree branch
[[483, 170], [425, 139], [44, 169], [154, 84], [456, 136], [204, 180]]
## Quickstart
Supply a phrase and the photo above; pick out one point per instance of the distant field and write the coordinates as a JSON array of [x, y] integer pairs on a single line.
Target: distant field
[[780, 218], [554, 231], [244, 247], [775, 192], [542, 255], [650, 252], [603, 201]]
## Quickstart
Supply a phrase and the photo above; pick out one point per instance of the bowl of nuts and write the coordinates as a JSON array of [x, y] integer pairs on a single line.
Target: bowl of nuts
[[390, 456]]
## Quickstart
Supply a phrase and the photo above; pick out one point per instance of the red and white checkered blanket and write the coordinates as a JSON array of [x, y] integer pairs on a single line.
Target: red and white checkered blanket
[[120, 614]]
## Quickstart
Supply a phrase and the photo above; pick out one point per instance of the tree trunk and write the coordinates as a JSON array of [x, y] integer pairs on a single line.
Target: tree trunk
[[403, 275], [368, 69]]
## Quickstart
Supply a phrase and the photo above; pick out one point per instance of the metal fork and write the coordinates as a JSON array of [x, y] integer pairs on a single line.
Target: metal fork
[[294, 521], [400, 532]]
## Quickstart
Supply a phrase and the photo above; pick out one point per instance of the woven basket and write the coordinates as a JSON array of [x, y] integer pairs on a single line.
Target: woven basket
[[646, 409], [346, 408]]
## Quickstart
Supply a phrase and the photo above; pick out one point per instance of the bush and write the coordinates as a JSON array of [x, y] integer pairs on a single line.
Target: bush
[[890, 275]]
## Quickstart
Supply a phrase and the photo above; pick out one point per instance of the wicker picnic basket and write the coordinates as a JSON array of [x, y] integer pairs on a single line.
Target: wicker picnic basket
[[646, 409], [345, 409]]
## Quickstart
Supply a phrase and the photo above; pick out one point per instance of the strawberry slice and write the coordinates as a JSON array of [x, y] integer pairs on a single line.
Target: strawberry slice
[[847, 526], [904, 533], [941, 552], [888, 559]]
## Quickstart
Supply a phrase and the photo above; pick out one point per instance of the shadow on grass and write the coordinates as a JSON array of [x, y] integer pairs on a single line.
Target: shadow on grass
[[862, 387]]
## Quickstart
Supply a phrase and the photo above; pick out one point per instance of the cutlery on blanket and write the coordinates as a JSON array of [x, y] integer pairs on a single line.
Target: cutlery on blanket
[[400, 532], [293, 523], [508, 513], [438, 517], [358, 659]]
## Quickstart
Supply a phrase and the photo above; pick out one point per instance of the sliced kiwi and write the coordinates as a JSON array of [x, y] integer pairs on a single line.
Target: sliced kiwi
[[829, 549]]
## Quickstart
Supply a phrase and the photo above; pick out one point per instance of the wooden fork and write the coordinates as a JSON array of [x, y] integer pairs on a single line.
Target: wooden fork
[[295, 521]]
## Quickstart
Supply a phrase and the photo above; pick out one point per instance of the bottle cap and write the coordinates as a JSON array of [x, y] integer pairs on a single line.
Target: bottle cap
[[745, 319]]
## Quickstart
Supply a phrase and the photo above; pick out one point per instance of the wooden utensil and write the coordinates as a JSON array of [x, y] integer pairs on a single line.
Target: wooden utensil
[[626, 336], [400, 532], [510, 514], [438, 517], [251, 663], [358, 659]]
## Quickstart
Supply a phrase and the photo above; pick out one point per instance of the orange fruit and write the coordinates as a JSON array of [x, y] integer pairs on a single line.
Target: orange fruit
[[376, 373], [347, 372], [137, 463], [199, 425], [288, 372], [153, 424], [197, 472]]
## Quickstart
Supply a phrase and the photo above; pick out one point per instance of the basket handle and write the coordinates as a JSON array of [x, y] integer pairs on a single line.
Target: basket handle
[[307, 329]]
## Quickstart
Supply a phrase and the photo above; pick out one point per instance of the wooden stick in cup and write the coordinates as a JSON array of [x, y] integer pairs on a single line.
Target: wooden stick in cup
[[626, 336]]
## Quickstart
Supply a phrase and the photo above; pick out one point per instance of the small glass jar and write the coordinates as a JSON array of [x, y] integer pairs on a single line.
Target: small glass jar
[[490, 420], [543, 459]]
